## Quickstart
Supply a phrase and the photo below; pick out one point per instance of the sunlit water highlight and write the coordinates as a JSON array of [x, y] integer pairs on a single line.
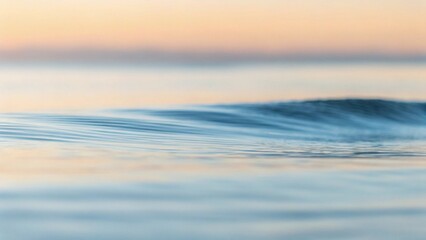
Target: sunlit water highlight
[[339, 168]]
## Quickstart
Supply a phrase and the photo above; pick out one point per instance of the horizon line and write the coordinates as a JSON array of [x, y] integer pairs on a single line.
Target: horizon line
[[205, 56]]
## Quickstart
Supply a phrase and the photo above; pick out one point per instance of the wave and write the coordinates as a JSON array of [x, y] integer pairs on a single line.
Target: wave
[[326, 118], [348, 111], [307, 128]]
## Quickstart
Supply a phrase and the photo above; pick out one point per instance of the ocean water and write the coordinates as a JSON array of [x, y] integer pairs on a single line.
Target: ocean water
[[280, 151]]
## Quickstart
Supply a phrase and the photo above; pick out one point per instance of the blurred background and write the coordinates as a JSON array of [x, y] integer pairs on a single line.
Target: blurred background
[[57, 55]]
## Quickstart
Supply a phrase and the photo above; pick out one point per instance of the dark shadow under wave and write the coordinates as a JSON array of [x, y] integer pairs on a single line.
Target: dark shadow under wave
[[347, 111], [327, 118]]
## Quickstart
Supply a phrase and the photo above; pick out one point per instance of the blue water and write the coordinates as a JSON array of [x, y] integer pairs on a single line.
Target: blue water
[[310, 205], [222, 162], [318, 169], [340, 128]]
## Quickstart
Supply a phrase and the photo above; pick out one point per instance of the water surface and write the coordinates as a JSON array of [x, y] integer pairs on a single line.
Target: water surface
[[252, 152]]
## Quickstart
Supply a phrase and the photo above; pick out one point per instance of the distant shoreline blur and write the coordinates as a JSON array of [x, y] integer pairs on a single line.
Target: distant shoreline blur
[[158, 57]]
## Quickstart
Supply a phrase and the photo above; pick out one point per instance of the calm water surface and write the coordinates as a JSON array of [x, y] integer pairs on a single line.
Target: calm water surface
[[241, 152]]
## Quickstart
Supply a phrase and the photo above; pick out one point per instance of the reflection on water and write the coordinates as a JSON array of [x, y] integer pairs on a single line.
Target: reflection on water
[[318, 169], [46, 87], [303, 205]]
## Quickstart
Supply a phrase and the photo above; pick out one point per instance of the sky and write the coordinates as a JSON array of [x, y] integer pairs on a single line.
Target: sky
[[280, 27]]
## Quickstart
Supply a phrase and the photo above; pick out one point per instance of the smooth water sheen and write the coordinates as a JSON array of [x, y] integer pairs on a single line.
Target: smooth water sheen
[[336, 168], [348, 128]]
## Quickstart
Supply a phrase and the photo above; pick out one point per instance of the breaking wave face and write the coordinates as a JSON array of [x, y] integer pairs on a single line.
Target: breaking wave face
[[346, 128]]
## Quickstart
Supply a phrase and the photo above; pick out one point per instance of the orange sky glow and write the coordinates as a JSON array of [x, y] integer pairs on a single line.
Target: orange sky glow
[[269, 26]]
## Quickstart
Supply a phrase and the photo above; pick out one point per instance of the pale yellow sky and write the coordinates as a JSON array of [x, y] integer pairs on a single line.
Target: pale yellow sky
[[287, 26]]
